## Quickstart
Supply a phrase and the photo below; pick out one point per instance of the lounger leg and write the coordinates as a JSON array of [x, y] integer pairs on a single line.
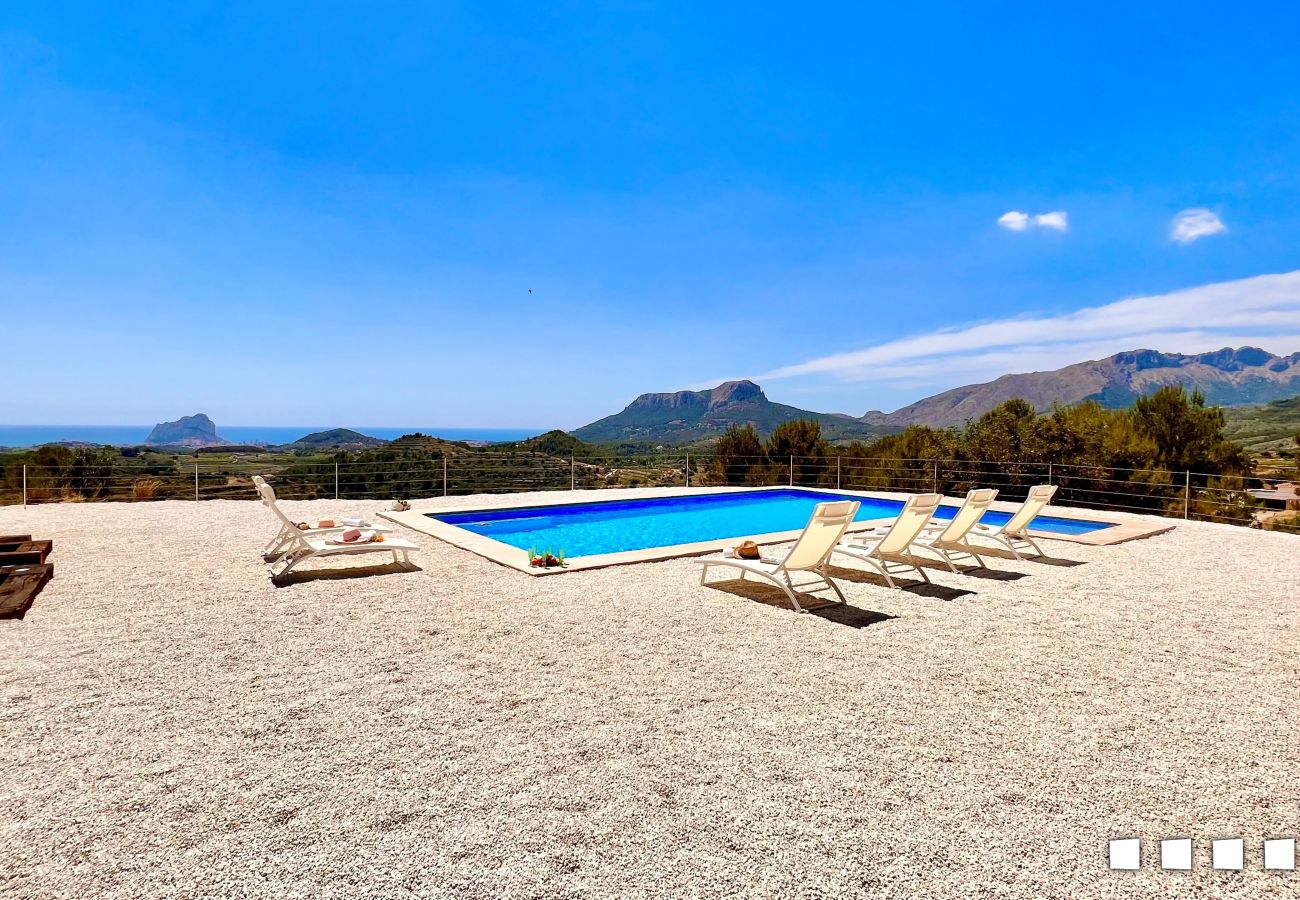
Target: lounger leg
[[880, 567], [788, 587], [274, 542], [834, 587], [293, 560], [704, 570], [1030, 541], [948, 559], [974, 551], [919, 570]]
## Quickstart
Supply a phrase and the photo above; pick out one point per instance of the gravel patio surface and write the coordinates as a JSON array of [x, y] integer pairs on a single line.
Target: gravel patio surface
[[177, 725]]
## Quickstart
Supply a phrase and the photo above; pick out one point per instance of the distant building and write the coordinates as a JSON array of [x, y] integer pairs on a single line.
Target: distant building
[[1279, 496]]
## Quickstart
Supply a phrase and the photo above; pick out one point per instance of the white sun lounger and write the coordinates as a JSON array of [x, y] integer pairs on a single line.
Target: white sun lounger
[[810, 553], [303, 549], [1014, 533], [276, 546], [894, 547], [300, 547], [948, 540]]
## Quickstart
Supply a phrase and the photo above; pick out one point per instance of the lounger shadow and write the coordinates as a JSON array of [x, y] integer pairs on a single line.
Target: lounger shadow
[[832, 611], [914, 586], [299, 576]]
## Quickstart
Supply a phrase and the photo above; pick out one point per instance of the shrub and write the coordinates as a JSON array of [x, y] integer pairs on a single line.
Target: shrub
[[146, 488]]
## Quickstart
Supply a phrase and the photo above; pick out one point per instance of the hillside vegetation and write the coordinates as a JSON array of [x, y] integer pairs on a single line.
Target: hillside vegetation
[[1271, 427]]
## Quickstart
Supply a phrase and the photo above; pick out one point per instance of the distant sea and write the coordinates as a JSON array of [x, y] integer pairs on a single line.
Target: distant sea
[[131, 435]]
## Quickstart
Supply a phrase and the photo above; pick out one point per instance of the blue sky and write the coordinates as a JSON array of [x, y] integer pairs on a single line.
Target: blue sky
[[334, 214]]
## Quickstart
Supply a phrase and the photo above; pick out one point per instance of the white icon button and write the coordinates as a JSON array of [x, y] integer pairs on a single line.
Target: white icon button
[[1229, 854], [1126, 853], [1176, 854], [1279, 854]]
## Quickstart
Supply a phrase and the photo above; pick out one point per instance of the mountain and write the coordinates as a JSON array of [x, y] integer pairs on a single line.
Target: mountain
[[336, 439], [1227, 377], [687, 416], [187, 431]]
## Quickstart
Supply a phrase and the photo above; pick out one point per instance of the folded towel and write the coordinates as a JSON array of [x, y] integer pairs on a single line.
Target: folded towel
[[325, 523], [354, 521]]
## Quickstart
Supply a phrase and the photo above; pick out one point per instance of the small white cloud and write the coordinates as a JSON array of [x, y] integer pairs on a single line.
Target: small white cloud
[[1194, 224], [1059, 220], [1016, 221]]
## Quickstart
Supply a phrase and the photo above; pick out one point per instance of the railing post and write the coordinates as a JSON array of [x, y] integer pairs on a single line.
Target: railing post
[[196, 480], [1187, 492], [936, 476], [24, 485], [791, 470], [444, 475], [688, 469], [573, 473], [1049, 473], [336, 480], [837, 473]]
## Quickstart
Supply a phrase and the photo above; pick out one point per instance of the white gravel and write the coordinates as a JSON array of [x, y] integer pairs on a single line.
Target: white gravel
[[175, 725]]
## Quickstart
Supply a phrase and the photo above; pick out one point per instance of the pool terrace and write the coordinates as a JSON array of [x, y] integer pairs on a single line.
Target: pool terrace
[[181, 725]]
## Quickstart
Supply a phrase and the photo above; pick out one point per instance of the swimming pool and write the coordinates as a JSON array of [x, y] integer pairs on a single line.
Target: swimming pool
[[616, 526]]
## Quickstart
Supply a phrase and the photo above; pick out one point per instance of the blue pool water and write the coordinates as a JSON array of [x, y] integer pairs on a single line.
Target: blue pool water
[[585, 529]]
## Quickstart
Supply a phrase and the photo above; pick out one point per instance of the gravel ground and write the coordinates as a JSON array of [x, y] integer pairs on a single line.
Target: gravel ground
[[175, 725]]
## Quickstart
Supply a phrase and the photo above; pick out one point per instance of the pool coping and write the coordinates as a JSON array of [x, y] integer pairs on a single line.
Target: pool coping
[[420, 520]]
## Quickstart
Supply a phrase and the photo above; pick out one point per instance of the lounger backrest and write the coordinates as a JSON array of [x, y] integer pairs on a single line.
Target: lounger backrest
[[977, 503], [913, 517], [267, 493], [1039, 495], [821, 534], [268, 500]]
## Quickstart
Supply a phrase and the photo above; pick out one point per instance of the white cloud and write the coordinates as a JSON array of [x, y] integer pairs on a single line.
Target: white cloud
[[1016, 221], [1059, 220], [1264, 310], [1194, 224]]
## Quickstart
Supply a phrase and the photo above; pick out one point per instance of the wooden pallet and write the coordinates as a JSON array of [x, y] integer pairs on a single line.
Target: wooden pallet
[[14, 538], [21, 553], [19, 586]]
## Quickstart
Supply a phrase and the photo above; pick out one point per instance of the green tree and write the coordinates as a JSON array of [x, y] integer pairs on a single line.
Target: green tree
[[1187, 434], [739, 457], [802, 440]]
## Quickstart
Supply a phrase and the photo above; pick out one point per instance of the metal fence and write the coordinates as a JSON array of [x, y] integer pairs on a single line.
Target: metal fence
[[1181, 494]]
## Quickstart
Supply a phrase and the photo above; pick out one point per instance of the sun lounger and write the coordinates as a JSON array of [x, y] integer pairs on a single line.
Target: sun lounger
[[301, 548], [288, 529], [1014, 533], [894, 547], [811, 552], [948, 539]]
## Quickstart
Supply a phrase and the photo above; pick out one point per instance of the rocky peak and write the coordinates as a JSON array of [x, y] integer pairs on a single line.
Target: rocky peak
[[731, 393], [187, 431]]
